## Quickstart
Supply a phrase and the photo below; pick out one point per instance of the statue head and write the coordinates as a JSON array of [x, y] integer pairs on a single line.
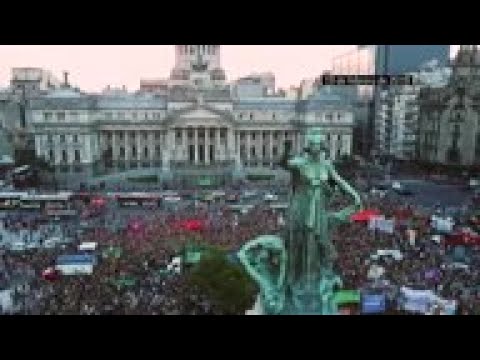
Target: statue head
[[316, 142]]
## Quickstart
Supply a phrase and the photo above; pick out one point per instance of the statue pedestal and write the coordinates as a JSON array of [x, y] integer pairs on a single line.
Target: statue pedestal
[[257, 308]]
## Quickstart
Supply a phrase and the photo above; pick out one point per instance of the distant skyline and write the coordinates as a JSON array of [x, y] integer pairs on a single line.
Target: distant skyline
[[94, 67]]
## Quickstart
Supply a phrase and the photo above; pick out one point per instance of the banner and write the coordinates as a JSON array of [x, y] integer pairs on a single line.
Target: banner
[[416, 301], [373, 222], [112, 252], [87, 246], [61, 212], [411, 236], [386, 226], [80, 264], [375, 272], [124, 281], [381, 224], [6, 301], [343, 297], [374, 304], [442, 225]]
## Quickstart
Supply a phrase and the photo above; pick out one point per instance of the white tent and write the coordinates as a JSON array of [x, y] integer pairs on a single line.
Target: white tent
[[375, 272], [6, 301], [87, 246], [395, 254]]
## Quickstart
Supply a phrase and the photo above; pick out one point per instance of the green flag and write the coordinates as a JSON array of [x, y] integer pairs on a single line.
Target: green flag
[[343, 297], [112, 252]]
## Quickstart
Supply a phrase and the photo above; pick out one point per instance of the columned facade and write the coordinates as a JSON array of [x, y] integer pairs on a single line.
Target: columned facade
[[196, 124]]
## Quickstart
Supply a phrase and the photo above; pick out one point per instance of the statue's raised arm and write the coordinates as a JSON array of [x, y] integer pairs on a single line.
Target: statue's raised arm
[[344, 214], [255, 257]]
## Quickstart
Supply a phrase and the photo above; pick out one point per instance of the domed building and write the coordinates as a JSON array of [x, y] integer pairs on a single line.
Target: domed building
[[189, 126]]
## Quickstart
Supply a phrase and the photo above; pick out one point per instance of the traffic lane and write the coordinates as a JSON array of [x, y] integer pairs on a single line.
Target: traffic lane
[[430, 194]]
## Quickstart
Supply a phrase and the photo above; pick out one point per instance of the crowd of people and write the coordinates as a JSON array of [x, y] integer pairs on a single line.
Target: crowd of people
[[147, 240], [355, 244], [132, 280]]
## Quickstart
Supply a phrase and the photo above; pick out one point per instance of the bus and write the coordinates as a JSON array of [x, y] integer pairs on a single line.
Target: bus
[[138, 199], [10, 200], [47, 202], [22, 176]]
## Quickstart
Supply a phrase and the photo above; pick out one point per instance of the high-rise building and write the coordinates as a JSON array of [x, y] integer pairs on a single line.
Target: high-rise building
[[449, 131], [389, 59], [396, 120], [383, 60]]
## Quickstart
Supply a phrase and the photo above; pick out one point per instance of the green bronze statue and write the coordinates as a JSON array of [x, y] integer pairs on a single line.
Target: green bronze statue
[[296, 276]]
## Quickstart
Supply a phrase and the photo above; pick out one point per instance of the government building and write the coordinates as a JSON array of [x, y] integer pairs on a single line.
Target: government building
[[192, 125]]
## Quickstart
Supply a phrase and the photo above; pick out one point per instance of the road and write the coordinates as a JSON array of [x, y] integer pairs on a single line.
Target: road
[[429, 194]]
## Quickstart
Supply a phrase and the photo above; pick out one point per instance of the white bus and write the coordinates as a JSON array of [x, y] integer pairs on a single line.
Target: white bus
[[10, 200], [58, 201]]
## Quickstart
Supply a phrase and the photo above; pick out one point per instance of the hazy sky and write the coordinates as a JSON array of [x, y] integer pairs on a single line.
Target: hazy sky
[[93, 67]]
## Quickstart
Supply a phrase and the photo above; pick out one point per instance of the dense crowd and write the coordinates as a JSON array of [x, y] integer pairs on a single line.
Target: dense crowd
[[355, 244], [149, 238]]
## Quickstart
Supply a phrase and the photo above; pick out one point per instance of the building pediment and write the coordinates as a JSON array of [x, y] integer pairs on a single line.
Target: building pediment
[[200, 115]]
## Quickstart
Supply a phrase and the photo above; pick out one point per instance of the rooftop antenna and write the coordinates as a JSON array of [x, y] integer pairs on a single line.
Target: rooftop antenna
[[65, 79]]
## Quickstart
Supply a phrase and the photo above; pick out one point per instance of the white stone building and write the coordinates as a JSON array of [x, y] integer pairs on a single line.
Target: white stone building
[[197, 128], [32, 80]]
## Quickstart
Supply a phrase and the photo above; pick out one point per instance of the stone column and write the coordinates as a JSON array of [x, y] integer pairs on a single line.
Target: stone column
[[38, 146], [139, 146], [259, 147], [231, 144], [238, 162], [248, 134], [166, 148], [114, 147], [217, 145], [172, 145], [333, 146], [270, 151], [127, 149], [206, 146], [347, 144], [295, 141], [184, 145], [195, 141], [151, 148]]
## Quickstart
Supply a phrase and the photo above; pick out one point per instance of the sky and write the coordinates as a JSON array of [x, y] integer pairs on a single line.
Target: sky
[[93, 67]]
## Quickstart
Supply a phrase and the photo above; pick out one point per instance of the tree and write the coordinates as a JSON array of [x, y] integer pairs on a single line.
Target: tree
[[225, 284]]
